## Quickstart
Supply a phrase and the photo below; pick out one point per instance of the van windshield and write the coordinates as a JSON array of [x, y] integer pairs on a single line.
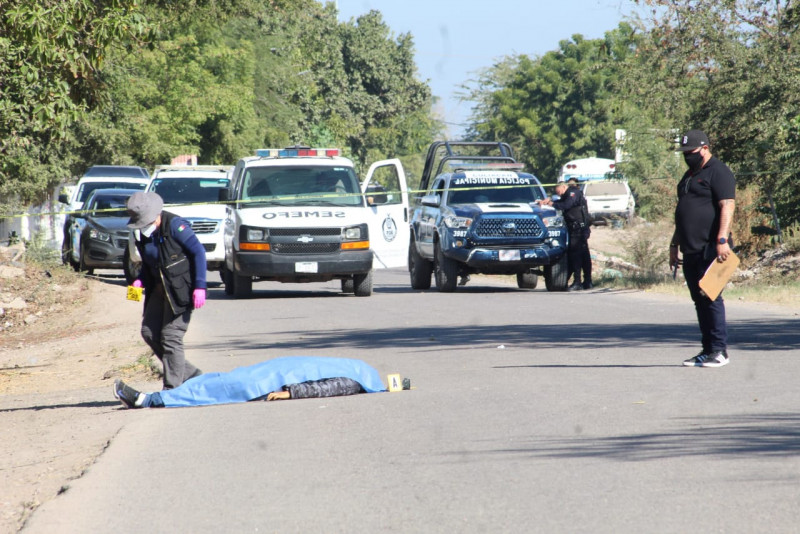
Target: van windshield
[[297, 185]]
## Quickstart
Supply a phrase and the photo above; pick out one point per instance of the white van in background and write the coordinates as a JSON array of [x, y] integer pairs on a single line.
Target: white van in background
[[585, 169], [608, 195]]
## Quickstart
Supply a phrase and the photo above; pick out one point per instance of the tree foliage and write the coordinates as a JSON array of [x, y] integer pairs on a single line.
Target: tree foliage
[[117, 82], [731, 69], [555, 107]]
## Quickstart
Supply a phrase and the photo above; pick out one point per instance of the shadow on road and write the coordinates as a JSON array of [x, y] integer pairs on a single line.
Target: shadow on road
[[766, 335], [92, 404], [741, 435]]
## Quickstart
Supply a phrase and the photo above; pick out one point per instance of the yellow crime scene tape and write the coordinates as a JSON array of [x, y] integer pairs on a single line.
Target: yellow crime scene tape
[[261, 200]]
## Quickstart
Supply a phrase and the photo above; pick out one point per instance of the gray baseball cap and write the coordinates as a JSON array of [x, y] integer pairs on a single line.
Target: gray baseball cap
[[143, 208]]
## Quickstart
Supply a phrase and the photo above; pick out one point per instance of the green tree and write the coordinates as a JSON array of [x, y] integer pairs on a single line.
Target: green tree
[[555, 107], [729, 68], [51, 56]]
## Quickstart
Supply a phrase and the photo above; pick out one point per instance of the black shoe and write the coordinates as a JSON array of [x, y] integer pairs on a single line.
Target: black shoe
[[587, 285], [129, 397], [575, 287]]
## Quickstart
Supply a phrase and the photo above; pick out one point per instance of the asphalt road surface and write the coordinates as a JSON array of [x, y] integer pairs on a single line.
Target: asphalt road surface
[[530, 412]]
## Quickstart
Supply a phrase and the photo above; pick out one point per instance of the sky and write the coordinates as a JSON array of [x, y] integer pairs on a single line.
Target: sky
[[454, 39]]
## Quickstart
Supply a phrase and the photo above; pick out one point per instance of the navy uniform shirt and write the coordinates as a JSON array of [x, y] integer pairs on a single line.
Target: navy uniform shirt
[[192, 247], [697, 213]]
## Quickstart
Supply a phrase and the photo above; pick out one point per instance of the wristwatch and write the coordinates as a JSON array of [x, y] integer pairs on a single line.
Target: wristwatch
[[722, 241]]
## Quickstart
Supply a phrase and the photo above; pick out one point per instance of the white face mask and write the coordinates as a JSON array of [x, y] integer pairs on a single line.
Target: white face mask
[[147, 231]]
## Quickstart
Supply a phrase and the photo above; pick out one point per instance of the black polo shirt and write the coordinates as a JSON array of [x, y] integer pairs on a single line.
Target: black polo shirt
[[697, 213]]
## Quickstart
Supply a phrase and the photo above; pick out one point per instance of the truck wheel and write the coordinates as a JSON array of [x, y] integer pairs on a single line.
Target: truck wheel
[[527, 280], [419, 268], [555, 276], [362, 284], [445, 271], [348, 285], [242, 286], [130, 267]]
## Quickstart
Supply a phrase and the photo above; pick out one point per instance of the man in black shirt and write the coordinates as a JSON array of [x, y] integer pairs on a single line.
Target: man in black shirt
[[703, 219]]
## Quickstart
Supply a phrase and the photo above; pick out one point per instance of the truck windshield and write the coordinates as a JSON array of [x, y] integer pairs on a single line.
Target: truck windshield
[[494, 189], [188, 190], [301, 186]]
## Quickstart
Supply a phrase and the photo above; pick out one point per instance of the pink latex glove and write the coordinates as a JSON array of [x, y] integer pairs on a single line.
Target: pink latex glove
[[199, 298], [137, 283]]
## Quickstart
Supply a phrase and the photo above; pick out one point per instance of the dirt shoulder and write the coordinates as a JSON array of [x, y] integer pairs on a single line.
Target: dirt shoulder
[[58, 358]]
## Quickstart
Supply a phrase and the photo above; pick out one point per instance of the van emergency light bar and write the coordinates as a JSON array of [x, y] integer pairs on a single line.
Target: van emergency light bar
[[297, 152]]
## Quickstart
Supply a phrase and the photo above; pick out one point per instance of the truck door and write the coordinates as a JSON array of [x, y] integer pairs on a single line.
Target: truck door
[[386, 193]]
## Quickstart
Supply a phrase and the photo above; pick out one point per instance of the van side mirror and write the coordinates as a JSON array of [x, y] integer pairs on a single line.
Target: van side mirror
[[224, 194], [63, 198]]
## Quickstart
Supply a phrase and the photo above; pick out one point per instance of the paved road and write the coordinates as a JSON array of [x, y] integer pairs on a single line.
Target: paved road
[[531, 412]]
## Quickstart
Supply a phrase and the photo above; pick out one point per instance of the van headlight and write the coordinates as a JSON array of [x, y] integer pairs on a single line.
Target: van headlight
[[257, 234]]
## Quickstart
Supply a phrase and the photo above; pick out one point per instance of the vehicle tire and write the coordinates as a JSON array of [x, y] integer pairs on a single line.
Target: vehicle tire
[[227, 279], [130, 267], [82, 264], [419, 268], [445, 271], [527, 280], [65, 251], [348, 286], [242, 286], [555, 276], [362, 284]]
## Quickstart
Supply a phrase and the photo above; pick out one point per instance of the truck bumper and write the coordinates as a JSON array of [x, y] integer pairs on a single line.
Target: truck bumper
[[267, 265], [510, 260]]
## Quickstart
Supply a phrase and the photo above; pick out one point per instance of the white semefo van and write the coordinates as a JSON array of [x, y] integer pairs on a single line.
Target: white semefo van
[[300, 214], [192, 192]]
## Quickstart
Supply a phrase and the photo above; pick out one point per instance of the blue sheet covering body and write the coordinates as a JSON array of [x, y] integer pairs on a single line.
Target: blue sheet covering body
[[247, 383]]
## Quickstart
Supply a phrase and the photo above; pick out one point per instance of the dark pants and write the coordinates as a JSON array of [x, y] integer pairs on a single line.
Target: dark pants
[[579, 258], [710, 314], [163, 331]]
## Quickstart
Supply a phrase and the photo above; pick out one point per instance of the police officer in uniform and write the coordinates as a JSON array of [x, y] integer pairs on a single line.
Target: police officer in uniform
[[576, 215], [703, 220]]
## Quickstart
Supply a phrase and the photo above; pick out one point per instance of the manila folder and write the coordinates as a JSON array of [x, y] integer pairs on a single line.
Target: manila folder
[[717, 275]]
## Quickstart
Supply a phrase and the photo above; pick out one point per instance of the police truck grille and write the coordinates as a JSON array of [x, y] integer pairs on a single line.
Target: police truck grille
[[204, 227], [508, 227], [304, 248]]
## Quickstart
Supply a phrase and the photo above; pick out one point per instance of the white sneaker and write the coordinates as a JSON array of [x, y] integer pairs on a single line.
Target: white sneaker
[[716, 359]]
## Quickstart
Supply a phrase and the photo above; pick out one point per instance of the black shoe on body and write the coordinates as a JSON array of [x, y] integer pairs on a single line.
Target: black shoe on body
[[587, 285], [129, 397], [575, 287]]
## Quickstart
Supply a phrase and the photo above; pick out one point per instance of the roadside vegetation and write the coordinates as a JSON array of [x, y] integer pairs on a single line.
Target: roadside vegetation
[[128, 82]]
